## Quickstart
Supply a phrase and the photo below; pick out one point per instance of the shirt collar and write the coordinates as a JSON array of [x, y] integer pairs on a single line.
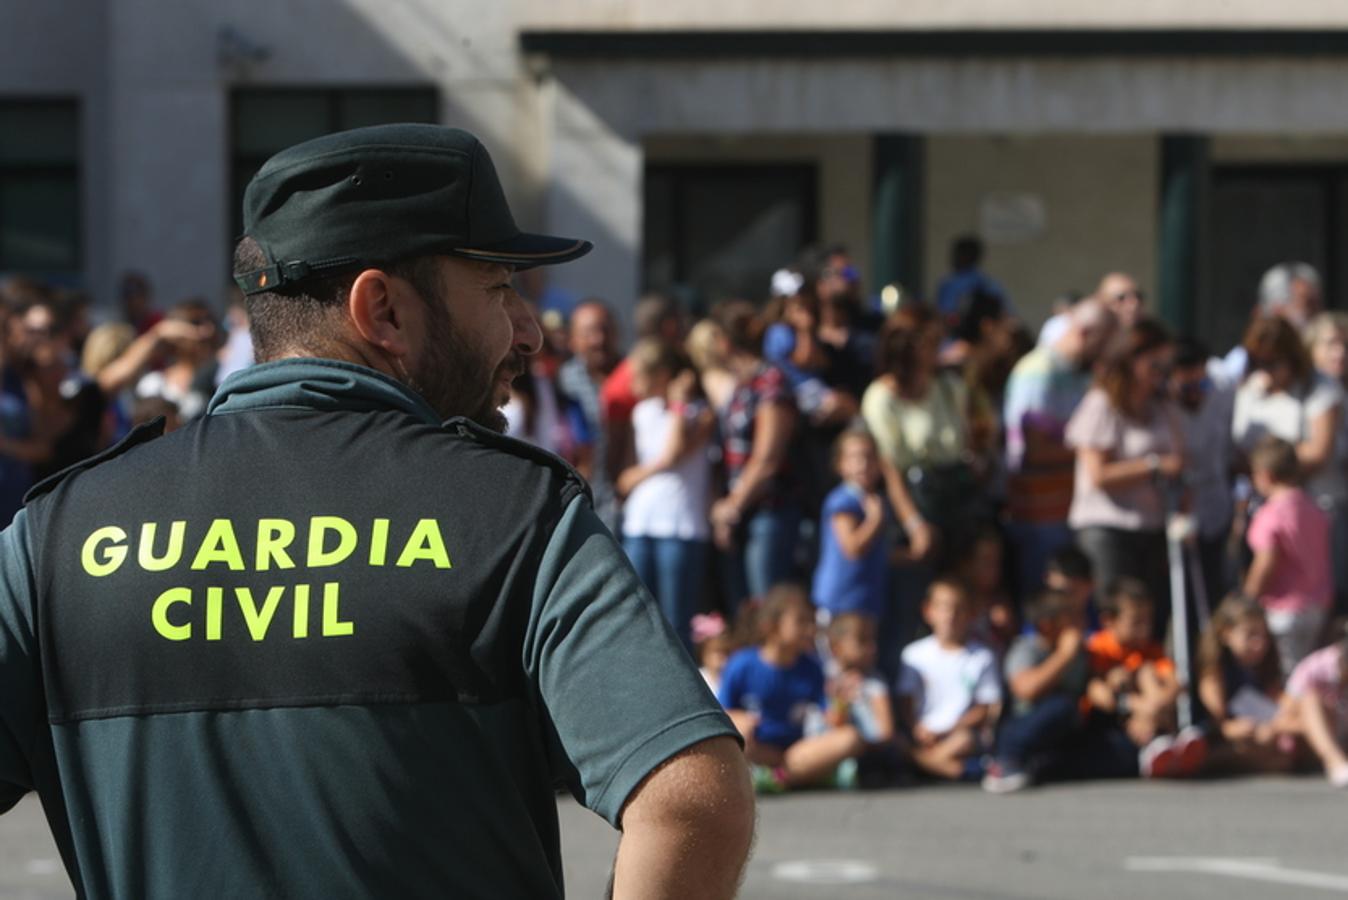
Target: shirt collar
[[321, 384]]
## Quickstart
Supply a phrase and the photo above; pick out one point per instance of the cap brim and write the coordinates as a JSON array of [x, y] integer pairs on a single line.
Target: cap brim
[[525, 251]]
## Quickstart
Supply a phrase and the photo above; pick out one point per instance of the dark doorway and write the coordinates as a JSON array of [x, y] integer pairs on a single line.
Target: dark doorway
[[1264, 215], [717, 232]]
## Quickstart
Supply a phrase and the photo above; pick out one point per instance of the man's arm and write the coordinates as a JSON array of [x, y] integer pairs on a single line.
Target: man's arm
[[19, 707], [688, 827], [631, 723]]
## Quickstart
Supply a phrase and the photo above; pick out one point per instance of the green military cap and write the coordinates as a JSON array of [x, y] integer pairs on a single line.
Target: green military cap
[[375, 195]]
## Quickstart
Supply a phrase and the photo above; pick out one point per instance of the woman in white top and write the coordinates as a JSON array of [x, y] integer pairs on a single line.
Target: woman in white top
[[668, 491], [1284, 396]]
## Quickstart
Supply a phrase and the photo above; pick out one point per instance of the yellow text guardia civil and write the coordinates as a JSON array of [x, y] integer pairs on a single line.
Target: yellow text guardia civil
[[179, 613]]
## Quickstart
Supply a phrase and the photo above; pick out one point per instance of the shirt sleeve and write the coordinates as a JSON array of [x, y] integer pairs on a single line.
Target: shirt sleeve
[[779, 342], [988, 687], [1310, 670], [20, 706], [1022, 655], [841, 500], [883, 424], [1263, 532], [910, 681], [1325, 395], [1094, 424], [619, 693], [732, 678]]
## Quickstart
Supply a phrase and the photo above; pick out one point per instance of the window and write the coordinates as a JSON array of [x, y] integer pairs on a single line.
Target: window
[[266, 121], [717, 232], [39, 187]]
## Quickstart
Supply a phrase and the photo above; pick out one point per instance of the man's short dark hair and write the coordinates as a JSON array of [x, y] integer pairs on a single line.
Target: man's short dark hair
[[1071, 562], [1124, 591], [966, 251], [1190, 352], [307, 316], [1047, 605]]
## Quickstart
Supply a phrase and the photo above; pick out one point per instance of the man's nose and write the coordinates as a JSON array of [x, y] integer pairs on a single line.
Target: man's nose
[[528, 335]]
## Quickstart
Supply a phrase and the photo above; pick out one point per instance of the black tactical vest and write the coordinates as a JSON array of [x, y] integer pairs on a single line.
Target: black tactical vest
[[291, 557]]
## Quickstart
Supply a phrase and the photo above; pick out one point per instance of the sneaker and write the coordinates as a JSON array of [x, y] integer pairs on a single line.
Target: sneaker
[[1192, 744], [845, 777], [1159, 759], [768, 780], [1338, 776], [1005, 779]]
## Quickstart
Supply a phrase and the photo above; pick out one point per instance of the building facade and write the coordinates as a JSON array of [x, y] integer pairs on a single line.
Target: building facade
[[701, 144]]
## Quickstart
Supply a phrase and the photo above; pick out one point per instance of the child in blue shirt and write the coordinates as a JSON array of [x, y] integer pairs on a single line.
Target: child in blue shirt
[[853, 570], [772, 689]]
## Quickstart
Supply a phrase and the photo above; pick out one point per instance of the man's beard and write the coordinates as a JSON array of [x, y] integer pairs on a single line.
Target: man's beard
[[454, 378]]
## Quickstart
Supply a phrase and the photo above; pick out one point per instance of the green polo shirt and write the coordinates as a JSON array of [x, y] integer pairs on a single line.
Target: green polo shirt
[[184, 749]]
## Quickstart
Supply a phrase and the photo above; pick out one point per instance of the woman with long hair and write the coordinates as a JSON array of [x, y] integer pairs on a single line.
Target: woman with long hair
[[757, 522], [1129, 453], [921, 417]]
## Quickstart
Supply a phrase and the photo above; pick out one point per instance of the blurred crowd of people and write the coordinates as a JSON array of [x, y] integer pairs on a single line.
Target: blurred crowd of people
[[71, 386], [922, 539], [903, 539]]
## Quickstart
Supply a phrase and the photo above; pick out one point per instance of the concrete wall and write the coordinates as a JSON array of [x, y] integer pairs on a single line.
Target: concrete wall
[[1099, 197], [749, 14], [59, 49]]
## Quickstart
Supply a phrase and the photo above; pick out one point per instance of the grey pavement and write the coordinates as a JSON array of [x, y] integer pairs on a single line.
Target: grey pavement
[[1258, 838]]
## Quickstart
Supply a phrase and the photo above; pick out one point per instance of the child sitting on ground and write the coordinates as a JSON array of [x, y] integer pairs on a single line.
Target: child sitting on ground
[[856, 696], [1290, 574], [770, 691], [1069, 571], [949, 688], [713, 644], [853, 570], [1317, 695], [1046, 673], [994, 616], [1240, 684], [1133, 687]]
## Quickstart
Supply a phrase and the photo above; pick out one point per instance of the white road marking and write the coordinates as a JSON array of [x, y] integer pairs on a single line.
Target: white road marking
[[1250, 868], [43, 866], [826, 871]]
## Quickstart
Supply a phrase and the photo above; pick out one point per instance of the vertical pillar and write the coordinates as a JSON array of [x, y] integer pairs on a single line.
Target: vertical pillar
[[896, 211], [1184, 190]]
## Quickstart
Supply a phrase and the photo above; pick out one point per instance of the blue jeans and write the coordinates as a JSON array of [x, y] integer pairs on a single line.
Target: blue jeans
[[764, 556], [672, 570], [1040, 730]]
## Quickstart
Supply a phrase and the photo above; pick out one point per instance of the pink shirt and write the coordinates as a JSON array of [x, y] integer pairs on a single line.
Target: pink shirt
[[1301, 578], [1320, 674]]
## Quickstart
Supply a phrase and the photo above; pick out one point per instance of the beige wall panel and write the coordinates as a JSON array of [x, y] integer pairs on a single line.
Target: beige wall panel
[[1099, 197]]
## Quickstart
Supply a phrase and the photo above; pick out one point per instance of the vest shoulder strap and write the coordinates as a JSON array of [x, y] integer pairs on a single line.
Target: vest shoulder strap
[[141, 434], [574, 483]]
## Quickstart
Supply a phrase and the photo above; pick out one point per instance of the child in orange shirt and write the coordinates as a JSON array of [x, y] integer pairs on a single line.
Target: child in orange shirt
[[1133, 685]]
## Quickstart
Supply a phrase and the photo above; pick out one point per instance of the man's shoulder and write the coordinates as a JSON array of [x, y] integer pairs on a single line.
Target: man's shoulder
[[142, 434], [919, 652], [529, 456]]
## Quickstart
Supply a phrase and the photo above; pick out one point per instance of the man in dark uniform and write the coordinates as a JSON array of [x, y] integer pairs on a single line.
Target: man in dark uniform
[[339, 638]]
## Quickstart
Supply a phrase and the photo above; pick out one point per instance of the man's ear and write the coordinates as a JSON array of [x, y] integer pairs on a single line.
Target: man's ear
[[378, 312]]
